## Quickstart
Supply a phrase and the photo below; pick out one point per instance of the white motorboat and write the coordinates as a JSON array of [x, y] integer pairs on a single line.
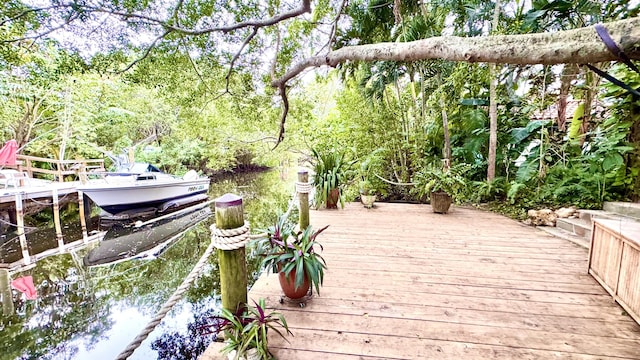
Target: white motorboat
[[142, 186]]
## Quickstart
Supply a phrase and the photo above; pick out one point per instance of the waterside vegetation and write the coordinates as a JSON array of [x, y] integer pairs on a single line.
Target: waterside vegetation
[[532, 135]]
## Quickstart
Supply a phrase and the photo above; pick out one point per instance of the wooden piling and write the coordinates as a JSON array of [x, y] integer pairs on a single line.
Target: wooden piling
[[303, 196], [83, 221], [233, 266], [5, 284], [20, 229], [5, 291], [56, 217]]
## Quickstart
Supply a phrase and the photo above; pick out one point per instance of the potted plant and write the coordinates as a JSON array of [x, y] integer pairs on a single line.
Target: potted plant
[[368, 180], [367, 194], [292, 255], [441, 184], [245, 331], [330, 168]]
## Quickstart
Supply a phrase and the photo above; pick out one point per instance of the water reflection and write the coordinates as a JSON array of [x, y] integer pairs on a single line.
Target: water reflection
[[94, 312], [145, 239]]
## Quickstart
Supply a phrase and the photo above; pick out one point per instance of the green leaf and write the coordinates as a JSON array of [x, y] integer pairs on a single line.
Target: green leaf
[[612, 160]]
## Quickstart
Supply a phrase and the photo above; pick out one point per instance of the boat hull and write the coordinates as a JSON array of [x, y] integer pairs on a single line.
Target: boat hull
[[115, 198]]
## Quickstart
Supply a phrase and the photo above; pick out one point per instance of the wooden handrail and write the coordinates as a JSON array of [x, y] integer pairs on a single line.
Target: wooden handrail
[[59, 168]]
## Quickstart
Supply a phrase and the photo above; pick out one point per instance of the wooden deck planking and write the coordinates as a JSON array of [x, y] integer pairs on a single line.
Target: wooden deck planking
[[404, 283]]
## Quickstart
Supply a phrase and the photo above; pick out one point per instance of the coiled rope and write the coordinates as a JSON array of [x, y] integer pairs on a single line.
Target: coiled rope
[[230, 239], [303, 188], [177, 295]]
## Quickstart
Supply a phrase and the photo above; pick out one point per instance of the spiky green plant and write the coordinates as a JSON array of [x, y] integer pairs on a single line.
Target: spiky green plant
[[331, 172]]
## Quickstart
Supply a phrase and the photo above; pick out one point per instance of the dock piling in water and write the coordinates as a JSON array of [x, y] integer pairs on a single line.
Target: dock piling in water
[[5, 291], [56, 218], [81, 210], [20, 229], [233, 266]]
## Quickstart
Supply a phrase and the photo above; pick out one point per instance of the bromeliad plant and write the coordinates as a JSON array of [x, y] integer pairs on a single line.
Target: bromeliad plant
[[293, 253], [246, 329]]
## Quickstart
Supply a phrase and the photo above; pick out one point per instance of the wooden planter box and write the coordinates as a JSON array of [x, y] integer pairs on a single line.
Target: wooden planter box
[[614, 261]]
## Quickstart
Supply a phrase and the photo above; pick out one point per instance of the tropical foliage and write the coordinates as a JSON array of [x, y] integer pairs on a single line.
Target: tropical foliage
[[285, 250], [182, 105], [433, 178], [331, 172], [247, 329]]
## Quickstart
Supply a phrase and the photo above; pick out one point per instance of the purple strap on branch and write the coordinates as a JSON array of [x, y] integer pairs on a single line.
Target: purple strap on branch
[[613, 48]]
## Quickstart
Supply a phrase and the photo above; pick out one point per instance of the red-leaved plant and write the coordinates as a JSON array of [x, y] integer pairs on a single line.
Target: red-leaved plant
[[286, 250], [247, 329]]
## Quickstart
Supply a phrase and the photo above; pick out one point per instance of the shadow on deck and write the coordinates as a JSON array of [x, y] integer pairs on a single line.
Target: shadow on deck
[[405, 283]]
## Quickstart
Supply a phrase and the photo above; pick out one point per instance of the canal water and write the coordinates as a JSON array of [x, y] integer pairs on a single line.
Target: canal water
[[89, 305]]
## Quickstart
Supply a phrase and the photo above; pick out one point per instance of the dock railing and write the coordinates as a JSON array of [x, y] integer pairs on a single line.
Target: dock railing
[[58, 169]]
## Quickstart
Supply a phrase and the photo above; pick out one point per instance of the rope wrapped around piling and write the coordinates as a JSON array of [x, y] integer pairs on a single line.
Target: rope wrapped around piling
[[230, 239], [303, 188]]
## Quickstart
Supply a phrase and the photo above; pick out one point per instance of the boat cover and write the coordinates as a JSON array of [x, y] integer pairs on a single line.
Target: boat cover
[[8, 153], [25, 285]]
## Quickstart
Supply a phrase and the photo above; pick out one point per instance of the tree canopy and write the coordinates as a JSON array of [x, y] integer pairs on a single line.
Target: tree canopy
[[211, 82], [302, 34]]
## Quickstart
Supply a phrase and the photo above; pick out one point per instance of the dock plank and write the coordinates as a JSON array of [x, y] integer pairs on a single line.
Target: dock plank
[[405, 283]]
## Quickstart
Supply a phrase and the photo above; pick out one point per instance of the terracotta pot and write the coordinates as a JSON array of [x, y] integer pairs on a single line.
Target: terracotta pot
[[333, 198], [440, 202], [287, 283], [368, 200]]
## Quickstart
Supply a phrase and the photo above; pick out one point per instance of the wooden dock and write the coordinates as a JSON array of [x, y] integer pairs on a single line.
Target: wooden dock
[[16, 202], [405, 283]]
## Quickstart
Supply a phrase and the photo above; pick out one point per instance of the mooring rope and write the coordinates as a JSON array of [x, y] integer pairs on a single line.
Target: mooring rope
[[16, 225], [230, 239], [224, 239], [177, 295], [303, 187]]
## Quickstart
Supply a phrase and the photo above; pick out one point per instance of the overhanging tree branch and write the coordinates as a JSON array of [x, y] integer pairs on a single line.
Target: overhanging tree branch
[[578, 46], [248, 39], [146, 52], [334, 27], [304, 7]]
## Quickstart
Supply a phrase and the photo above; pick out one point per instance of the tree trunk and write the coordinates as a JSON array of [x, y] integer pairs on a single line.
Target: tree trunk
[[493, 108], [568, 74], [447, 139]]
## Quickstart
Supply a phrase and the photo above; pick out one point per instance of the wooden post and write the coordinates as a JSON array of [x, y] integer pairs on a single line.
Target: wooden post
[[56, 218], [59, 171], [29, 169], [83, 221], [82, 174], [233, 266], [303, 178], [5, 291], [20, 230]]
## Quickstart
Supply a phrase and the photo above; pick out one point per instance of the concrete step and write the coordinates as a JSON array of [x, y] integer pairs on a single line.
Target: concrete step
[[577, 226], [589, 215], [623, 208], [564, 234]]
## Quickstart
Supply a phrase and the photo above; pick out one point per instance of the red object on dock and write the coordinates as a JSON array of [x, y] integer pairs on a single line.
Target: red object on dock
[[25, 285], [8, 153]]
